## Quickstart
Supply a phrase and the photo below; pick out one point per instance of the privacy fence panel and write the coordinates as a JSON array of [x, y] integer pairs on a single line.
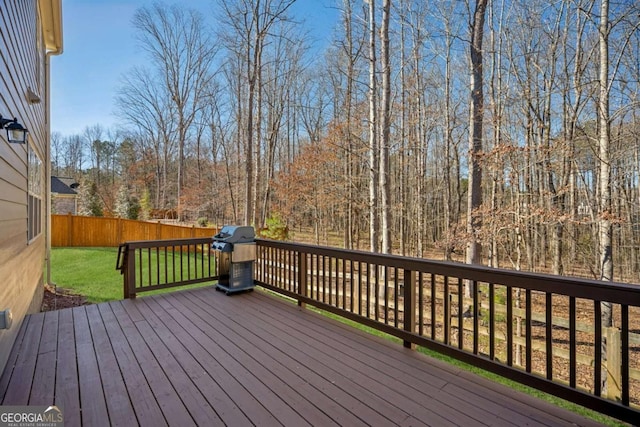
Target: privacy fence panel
[[73, 230]]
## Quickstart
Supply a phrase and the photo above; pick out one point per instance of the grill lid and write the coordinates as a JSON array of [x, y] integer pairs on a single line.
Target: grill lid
[[235, 234]]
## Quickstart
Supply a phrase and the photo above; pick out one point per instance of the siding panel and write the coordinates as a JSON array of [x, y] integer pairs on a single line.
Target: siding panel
[[21, 263]]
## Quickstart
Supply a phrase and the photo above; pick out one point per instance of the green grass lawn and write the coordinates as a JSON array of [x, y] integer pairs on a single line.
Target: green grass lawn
[[91, 272]]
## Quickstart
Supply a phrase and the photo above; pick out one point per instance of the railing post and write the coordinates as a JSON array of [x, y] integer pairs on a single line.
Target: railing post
[[613, 364], [409, 290], [302, 277], [130, 274]]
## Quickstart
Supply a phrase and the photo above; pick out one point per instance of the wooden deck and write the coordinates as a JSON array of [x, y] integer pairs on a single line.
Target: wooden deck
[[199, 357]]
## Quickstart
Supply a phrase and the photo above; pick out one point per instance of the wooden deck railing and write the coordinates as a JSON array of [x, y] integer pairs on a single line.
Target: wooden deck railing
[[539, 330], [159, 264]]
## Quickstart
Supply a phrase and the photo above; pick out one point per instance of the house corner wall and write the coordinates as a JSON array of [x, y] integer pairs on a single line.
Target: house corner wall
[[25, 38]]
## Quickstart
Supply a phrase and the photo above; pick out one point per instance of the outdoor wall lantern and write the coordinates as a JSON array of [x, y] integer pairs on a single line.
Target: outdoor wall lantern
[[16, 133]]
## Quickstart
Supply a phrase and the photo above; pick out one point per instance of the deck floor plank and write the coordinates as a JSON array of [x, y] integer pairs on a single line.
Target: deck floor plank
[[239, 364], [197, 404], [168, 399], [207, 353], [23, 370], [361, 368], [119, 406], [198, 357], [325, 372], [512, 412], [413, 384], [146, 407], [43, 389], [92, 398], [283, 374], [67, 389], [198, 370]]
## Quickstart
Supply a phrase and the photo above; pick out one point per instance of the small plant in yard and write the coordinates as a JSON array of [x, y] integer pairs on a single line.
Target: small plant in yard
[[276, 228]]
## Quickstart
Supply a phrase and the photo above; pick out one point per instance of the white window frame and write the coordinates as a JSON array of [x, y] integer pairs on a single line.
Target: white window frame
[[35, 194]]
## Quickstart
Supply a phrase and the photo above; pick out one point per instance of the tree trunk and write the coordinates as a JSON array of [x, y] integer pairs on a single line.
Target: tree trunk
[[386, 128], [474, 218], [604, 158], [374, 223], [605, 229]]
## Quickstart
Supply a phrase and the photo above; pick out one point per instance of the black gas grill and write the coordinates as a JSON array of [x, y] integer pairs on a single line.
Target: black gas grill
[[237, 252]]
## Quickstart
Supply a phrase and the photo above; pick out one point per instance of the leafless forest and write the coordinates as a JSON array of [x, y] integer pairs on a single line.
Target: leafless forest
[[505, 132]]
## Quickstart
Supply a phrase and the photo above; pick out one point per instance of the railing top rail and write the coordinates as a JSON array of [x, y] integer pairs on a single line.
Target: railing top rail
[[614, 292], [143, 244]]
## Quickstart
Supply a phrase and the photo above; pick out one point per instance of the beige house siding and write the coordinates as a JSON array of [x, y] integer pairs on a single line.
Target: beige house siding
[[23, 42], [62, 204]]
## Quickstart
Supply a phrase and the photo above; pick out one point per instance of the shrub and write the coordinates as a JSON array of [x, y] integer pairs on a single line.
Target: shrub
[[276, 228]]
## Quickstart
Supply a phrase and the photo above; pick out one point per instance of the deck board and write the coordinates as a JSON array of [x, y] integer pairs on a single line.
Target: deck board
[[21, 380], [198, 357], [67, 390], [168, 399], [351, 384], [414, 381], [44, 376], [374, 375], [272, 365], [145, 405], [242, 367], [92, 398], [117, 398], [208, 354], [226, 410]]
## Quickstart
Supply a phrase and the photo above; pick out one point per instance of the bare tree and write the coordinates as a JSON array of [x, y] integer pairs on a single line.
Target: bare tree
[[182, 54], [350, 53], [374, 218], [385, 179], [56, 152], [145, 105], [93, 136], [73, 156], [474, 219], [279, 77], [248, 24]]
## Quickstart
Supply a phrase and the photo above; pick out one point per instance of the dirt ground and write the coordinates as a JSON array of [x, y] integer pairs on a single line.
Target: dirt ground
[[59, 298]]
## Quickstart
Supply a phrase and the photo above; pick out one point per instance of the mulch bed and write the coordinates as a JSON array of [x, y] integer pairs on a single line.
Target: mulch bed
[[59, 298]]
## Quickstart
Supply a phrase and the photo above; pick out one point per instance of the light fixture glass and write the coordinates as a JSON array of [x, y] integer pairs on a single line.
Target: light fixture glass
[[16, 133]]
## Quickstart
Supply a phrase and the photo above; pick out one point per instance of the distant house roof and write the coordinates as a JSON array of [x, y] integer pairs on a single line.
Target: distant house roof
[[63, 185]]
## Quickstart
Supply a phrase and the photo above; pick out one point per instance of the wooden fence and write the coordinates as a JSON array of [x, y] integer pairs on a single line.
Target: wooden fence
[[72, 230]]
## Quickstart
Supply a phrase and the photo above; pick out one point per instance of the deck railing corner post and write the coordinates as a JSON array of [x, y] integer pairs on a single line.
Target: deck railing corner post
[[130, 274], [409, 298], [302, 277]]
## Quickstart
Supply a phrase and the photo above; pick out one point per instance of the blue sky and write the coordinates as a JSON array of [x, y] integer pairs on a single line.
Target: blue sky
[[99, 47]]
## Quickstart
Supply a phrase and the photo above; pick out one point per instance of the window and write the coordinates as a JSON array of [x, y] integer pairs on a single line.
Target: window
[[35, 196]]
